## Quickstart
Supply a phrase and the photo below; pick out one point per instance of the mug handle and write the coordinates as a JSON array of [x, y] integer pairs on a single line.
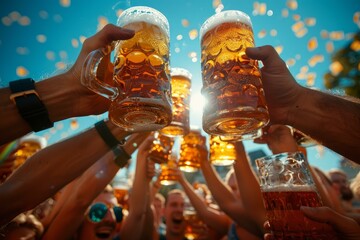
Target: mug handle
[[89, 78]]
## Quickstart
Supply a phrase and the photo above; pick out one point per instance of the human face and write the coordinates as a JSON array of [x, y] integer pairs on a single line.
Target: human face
[[105, 229], [173, 213], [341, 184]]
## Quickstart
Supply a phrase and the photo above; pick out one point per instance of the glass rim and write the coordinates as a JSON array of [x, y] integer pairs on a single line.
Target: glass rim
[[178, 71], [280, 155], [219, 18], [160, 20]]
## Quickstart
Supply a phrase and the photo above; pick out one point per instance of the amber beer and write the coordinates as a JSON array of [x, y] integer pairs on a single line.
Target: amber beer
[[168, 173], [180, 89], [190, 151], [282, 206], [286, 185], [191, 219], [161, 148], [231, 81], [122, 196], [222, 153], [141, 90]]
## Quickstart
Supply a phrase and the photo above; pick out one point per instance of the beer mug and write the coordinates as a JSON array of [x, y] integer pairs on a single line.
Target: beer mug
[[121, 188], [232, 83], [192, 221], [27, 146], [222, 153], [168, 172], [141, 90], [286, 184], [180, 95], [161, 148], [190, 151]]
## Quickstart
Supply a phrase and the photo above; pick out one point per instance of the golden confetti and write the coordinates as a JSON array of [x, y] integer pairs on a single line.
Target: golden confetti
[[74, 124], [24, 21], [285, 13], [57, 18], [296, 17], [310, 79], [301, 33], [65, 3], [335, 68], [292, 4], [15, 16], [82, 39], [355, 45], [216, 3], [102, 21], [336, 35], [279, 49], [262, 8], [310, 21], [177, 50], [75, 43], [43, 14], [22, 50], [41, 38], [290, 62], [6, 21], [304, 69], [184, 22], [301, 76], [179, 37], [262, 33], [297, 26], [324, 34], [315, 60], [63, 54], [356, 18], [60, 65], [119, 12], [273, 32], [312, 44], [50, 55], [193, 34], [21, 71], [329, 47], [192, 54]]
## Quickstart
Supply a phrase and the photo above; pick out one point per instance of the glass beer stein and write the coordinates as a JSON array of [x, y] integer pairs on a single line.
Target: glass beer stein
[[232, 83], [222, 153], [190, 151], [168, 172], [140, 90], [161, 148], [180, 95], [286, 184]]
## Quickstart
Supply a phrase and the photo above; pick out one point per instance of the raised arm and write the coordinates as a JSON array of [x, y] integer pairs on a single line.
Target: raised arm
[[332, 120], [133, 225], [59, 164], [214, 219], [249, 188], [63, 95]]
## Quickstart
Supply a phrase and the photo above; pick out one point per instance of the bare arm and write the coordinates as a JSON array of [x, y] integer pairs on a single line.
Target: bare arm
[[133, 225], [215, 220], [59, 164], [329, 119], [63, 95], [249, 188]]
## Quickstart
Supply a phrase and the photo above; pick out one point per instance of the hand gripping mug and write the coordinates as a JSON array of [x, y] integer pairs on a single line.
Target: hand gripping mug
[[232, 84], [140, 90]]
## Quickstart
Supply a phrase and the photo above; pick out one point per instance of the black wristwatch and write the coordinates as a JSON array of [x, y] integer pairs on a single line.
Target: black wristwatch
[[28, 102]]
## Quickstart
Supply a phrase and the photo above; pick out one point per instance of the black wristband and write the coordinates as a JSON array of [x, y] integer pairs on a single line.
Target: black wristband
[[121, 156], [29, 105]]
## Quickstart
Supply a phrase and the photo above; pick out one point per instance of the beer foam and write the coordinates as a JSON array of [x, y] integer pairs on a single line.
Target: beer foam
[[143, 13], [223, 17], [288, 188], [175, 71]]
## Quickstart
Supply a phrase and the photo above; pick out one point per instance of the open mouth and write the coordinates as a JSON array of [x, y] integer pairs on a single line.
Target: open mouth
[[104, 232]]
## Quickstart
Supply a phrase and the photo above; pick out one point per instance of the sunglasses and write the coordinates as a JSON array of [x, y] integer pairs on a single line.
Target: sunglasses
[[98, 211]]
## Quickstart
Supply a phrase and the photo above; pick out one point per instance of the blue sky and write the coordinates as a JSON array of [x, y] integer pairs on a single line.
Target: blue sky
[[39, 38]]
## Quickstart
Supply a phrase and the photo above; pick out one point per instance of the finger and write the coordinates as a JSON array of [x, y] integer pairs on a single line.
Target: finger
[[104, 37], [267, 54], [327, 215]]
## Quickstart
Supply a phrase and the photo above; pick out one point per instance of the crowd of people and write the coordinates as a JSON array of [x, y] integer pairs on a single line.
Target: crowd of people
[[64, 191]]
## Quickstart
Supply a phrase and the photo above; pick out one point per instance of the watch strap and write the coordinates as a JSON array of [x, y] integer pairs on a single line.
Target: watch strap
[[29, 105]]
